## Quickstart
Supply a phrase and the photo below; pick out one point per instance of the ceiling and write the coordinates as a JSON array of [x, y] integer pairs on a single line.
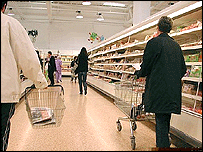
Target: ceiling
[[65, 11]]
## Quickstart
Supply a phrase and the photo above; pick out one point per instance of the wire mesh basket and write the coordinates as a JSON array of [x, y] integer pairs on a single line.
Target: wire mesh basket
[[45, 107]]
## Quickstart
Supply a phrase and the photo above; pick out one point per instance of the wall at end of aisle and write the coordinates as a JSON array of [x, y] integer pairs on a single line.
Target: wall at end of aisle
[[69, 35]]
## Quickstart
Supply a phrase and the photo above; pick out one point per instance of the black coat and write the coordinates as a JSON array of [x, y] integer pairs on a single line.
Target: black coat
[[52, 64], [82, 63], [164, 65]]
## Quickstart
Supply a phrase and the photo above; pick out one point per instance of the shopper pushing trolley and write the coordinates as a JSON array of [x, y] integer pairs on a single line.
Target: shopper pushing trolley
[[163, 66], [17, 53]]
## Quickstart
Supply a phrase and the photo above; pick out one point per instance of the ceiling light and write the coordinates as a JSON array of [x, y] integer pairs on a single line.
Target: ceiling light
[[100, 17], [10, 11], [86, 3], [79, 15], [114, 4]]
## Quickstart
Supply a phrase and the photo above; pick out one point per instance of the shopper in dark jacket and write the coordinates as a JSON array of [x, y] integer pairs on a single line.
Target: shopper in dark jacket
[[82, 69], [164, 66], [51, 67]]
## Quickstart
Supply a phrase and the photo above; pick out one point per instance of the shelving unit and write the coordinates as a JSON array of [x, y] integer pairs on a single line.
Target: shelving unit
[[66, 61], [116, 58]]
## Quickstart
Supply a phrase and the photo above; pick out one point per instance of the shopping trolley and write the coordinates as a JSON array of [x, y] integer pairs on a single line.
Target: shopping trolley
[[129, 99], [45, 107]]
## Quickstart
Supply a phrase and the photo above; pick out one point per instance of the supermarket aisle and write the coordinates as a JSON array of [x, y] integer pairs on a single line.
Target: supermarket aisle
[[89, 124]]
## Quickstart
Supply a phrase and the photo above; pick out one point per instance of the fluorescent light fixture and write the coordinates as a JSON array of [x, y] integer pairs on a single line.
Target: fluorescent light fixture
[[100, 17], [114, 4], [86, 3], [79, 15]]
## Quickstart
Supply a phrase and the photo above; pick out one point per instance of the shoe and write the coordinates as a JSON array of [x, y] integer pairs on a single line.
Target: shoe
[[80, 93], [61, 80], [85, 92]]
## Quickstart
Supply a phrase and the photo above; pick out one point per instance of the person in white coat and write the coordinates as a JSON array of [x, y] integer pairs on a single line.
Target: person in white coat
[[17, 53]]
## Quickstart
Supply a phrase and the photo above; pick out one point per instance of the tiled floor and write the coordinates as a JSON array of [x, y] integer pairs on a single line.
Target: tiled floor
[[89, 124]]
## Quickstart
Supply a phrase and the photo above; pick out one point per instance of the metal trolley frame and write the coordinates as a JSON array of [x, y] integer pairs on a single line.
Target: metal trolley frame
[[129, 97], [45, 107]]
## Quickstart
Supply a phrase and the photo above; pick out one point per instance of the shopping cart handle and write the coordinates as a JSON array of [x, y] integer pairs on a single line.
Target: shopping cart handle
[[33, 87], [62, 90]]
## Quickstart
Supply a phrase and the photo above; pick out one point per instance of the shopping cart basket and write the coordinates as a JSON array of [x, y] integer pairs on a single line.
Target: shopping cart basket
[[45, 107], [129, 99]]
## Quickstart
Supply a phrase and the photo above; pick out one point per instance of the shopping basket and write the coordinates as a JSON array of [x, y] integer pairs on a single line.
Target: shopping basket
[[129, 99], [45, 107]]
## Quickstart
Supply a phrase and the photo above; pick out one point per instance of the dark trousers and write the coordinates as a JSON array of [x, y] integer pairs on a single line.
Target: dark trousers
[[7, 111], [162, 129], [51, 77], [82, 77]]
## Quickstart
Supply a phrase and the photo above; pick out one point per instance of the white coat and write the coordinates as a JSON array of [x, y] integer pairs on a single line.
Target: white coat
[[17, 53]]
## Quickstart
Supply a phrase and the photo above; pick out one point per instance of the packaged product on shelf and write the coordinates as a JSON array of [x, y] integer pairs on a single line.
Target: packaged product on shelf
[[196, 71], [200, 57], [200, 93], [192, 58], [187, 74], [113, 46], [189, 89], [195, 25]]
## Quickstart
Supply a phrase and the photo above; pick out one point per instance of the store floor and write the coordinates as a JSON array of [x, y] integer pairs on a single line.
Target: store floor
[[89, 124]]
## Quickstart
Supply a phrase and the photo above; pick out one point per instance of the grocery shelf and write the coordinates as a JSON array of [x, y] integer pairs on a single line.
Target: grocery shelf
[[114, 64], [188, 32], [117, 71], [179, 12], [107, 76], [104, 87], [192, 96], [193, 63], [191, 47], [192, 79]]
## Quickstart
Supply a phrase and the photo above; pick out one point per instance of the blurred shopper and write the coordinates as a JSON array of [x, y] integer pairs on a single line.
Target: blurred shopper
[[73, 65], [51, 67], [58, 69], [17, 53], [164, 66], [82, 69]]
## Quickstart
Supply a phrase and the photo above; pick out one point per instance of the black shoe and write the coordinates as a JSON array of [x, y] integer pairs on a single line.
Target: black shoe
[[80, 93], [85, 92]]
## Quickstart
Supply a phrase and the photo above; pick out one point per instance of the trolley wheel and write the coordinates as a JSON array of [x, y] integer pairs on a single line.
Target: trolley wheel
[[132, 138], [134, 126], [119, 126]]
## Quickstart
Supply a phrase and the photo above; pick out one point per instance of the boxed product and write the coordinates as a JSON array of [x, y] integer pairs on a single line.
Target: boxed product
[[189, 89], [196, 71], [192, 58]]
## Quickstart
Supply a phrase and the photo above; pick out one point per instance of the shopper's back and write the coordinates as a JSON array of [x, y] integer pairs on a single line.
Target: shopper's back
[[164, 78], [17, 53]]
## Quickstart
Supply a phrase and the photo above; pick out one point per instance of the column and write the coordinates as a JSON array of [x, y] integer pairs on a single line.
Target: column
[[141, 10]]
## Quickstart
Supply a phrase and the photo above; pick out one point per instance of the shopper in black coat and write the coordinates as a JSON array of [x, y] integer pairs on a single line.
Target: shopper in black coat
[[82, 69], [51, 67], [164, 66]]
